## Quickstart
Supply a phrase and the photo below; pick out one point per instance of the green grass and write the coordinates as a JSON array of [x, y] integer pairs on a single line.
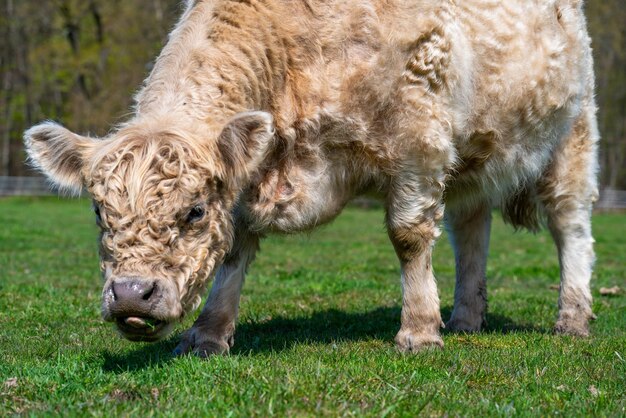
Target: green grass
[[315, 336]]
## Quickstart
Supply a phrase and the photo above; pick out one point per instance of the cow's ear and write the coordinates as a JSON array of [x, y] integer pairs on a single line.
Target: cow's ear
[[59, 154], [243, 144]]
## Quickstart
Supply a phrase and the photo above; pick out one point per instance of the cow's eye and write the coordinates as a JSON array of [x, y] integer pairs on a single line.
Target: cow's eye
[[195, 214]]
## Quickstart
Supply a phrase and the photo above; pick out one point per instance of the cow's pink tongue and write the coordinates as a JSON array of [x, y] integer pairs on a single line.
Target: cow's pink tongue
[[136, 322]]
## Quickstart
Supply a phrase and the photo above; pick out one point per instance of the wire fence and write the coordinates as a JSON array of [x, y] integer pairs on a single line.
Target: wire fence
[[610, 199], [25, 186]]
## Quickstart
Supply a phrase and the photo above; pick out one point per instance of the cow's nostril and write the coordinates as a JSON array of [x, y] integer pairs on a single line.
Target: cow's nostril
[[149, 293], [112, 291]]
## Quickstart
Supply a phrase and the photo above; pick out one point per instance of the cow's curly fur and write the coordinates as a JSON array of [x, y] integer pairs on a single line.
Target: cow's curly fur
[[276, 113]]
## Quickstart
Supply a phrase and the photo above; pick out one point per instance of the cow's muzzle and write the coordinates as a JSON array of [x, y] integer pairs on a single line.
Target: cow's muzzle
[[139, 308]]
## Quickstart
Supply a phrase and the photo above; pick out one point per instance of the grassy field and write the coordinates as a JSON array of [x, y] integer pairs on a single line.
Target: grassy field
[[315, 338]]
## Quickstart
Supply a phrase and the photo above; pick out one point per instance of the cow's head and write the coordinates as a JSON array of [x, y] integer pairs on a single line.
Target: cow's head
[[162, 199]]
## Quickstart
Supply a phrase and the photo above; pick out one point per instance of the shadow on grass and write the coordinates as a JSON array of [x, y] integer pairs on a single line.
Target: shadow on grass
[[333, 325], [145, 356], [282, 333], [321, 327], [500, 324]]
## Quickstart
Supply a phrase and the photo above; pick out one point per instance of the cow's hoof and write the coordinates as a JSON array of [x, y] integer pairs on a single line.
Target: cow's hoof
[[203, 346], [210, 348], [456, 324], [574, 322], [571, 327], [412, 342]]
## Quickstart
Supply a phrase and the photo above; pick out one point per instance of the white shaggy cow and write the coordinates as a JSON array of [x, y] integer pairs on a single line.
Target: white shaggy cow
[[270, 115]]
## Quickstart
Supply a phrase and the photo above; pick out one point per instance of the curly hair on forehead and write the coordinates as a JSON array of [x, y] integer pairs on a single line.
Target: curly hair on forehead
[[145, 164]]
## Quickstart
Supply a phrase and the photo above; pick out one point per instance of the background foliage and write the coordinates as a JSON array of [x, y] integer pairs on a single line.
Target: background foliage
[[79, 62]]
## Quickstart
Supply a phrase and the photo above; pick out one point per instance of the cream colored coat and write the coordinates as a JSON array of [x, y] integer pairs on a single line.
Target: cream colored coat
[[271, 115]]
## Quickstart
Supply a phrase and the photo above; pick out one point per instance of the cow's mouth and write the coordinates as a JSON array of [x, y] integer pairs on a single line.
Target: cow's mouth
[[138, 328]]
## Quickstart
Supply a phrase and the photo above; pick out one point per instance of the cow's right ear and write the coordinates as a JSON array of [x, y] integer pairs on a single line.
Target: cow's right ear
[[243, 144], [59, 154]]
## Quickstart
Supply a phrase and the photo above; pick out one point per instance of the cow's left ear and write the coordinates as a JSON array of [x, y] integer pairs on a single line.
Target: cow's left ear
[[243, 144], [59, 154]]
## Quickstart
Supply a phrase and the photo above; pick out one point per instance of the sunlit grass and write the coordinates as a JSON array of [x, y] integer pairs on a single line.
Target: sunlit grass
[[315, 336]]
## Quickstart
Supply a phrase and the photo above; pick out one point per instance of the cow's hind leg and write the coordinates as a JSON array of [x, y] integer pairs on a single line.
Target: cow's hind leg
[[567, 191], [413, 212], [213, 331], [469, 234]]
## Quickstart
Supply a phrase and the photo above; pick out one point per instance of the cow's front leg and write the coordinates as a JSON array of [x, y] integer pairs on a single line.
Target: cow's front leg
[[469, 235], [414, 209], [213, 331]]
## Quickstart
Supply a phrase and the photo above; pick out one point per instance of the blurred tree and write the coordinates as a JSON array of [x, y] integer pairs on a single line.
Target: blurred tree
[[78, 62], [74, 61], [607, 25]]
